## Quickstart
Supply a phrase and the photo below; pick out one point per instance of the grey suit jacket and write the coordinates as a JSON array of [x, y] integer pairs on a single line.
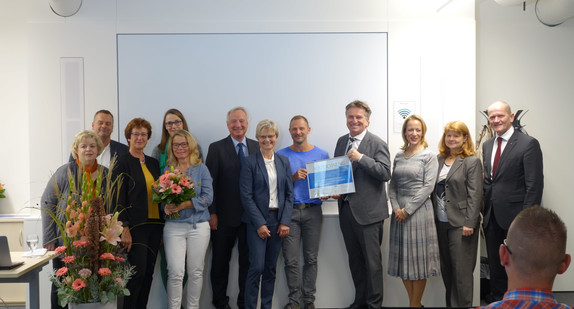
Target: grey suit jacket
[[519, 178], [463, 190], [369, 202]]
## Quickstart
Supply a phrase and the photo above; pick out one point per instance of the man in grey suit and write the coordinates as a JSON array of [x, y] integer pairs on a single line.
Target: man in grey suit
[[361, 214], [513, 180]]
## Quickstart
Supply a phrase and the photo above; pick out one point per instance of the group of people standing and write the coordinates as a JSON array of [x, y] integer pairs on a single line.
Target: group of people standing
[[246, 192]]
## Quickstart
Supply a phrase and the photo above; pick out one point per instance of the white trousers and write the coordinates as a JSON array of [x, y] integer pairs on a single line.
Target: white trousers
[[184, 244]]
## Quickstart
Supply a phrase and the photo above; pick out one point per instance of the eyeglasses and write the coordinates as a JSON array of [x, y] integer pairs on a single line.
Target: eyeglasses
[[507, 248], [137, 134], [173, 123], [267, 136], [182, 145]]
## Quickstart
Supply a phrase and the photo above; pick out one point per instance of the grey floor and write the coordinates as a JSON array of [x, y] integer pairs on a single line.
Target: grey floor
[[562, 297]]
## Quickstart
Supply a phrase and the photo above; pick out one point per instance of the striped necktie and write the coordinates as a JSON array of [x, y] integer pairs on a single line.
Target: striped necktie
[[350, 144]]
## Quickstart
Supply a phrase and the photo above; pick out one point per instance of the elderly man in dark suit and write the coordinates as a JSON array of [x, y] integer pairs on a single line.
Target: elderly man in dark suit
[[103, 125], [513, 180], [224, 163], [361, 214]]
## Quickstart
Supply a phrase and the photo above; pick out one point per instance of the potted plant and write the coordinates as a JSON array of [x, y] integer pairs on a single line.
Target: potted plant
[[95, 270]]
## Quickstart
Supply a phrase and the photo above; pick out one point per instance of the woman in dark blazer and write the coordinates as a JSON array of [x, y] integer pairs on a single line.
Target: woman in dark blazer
[[143, 225], [457, 199], [266, 192]]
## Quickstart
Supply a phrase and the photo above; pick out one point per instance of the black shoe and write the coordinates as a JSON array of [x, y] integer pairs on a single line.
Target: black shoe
[[292, 306], [309, 306], [224, 307]]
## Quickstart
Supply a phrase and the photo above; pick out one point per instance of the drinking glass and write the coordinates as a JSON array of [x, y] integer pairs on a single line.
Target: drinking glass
[[32, 242]]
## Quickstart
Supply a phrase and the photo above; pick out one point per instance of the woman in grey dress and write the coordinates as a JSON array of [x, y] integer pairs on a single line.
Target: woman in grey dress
[[413, 252]]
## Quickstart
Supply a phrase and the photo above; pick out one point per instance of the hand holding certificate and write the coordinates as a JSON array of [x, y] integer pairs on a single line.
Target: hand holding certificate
[[330, 177]]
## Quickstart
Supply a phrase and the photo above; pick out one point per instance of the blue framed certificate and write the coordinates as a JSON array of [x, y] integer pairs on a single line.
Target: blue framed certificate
[[330, 177]]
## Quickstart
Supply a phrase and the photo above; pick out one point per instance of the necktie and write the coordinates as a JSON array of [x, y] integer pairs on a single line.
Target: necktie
[[240, 153], [496, 156], [350, 145]]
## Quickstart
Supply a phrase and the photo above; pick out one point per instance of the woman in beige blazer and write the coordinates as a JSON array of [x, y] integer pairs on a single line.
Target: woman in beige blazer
[[457, 199]]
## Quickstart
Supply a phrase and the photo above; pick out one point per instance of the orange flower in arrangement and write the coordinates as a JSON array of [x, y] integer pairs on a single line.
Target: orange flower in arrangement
[[95, 265]]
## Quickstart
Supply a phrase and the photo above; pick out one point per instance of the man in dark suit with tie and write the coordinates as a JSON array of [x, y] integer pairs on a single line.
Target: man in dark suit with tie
[[361, 214], [103, 125], [513, 181], [224, 162]]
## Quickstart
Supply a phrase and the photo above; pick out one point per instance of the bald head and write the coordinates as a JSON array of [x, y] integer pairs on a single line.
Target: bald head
[[500, 105], [537, 242], [500, 117]]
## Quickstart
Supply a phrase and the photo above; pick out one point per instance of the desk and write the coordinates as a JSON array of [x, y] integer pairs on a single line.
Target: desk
[[27, 273]]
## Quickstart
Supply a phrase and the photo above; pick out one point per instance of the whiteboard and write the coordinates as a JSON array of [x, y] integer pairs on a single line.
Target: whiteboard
[[273, 75]]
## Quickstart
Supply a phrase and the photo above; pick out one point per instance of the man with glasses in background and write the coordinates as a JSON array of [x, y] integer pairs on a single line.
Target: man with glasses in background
[[532, 254]]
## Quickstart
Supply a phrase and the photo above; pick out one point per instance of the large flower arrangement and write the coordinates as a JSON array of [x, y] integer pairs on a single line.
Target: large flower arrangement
[[173, 187], [95, 267]]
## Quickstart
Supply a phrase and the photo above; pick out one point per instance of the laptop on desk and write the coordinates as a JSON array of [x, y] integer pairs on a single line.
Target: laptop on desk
[[5, 259]]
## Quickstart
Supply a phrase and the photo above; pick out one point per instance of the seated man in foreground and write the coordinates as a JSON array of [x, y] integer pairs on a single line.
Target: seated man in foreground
[[533, 253]]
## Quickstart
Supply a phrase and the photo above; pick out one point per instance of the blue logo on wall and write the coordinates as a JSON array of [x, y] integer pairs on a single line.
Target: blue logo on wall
[[404, 112]]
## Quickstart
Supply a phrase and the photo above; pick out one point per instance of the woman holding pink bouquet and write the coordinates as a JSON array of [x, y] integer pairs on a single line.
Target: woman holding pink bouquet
[[186, 237]]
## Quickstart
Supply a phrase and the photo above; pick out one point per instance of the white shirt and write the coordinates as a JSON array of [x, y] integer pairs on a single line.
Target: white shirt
[[272, 174], [505, 137], [105, 157]]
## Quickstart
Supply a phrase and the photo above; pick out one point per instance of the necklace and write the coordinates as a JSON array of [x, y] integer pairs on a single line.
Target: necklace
[[407, 156]]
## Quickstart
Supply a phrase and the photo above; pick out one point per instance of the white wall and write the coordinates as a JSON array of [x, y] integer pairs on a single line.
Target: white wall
[[431, 62], [531, 66], [14, 116]]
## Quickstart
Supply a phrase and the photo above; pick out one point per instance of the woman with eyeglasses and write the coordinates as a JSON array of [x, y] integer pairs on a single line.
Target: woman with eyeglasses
[[186, 238], [143, 224], [457, 201], [266, 192], [173, 121]]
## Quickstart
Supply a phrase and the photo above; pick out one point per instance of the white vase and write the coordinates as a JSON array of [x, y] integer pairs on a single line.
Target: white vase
[[110, 305]]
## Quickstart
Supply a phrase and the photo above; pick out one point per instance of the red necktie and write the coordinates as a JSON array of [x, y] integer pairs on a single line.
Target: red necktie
[[496, 156]]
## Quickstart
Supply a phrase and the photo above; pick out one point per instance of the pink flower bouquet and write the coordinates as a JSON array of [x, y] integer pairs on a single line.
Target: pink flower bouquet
[[173, 187]]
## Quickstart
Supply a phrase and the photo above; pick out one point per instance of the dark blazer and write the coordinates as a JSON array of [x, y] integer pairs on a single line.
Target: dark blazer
[[369, 202], [463, 190], [254, 190], [132, 197], [116, 149], [224, 167], [519, 178]]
